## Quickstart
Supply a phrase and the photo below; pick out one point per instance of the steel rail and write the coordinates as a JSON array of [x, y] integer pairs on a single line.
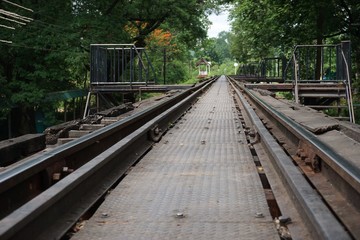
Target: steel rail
[[50, 214], [17, 182], [348, 171], [317, 216]]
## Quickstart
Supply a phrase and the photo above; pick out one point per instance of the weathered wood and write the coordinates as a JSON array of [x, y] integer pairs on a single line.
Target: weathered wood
[[78, 133], [62, 130], [53, 133], [116, 111], [14, 149]]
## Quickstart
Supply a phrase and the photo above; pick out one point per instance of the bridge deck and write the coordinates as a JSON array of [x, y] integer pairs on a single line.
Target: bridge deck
[[198, 182]]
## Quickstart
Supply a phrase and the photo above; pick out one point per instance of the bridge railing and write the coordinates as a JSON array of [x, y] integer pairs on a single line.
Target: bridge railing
[[318, 63], [251, 69], [321, 64], [273, 67], [120, 64], [267, 68], [116, 69]]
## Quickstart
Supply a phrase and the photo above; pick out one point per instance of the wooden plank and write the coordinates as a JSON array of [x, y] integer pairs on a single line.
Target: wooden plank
[[12, 150]]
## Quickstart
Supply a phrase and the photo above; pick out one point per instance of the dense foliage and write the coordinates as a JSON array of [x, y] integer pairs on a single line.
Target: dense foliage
[[266, 28], [217, 52], [51, 52], [269, 28]]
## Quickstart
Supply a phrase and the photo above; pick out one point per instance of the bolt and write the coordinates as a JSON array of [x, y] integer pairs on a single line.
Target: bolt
[[157, 131], [56, 176], [284, 220]]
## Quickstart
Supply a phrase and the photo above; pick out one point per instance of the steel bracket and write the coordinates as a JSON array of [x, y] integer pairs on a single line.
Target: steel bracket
[[155, 133], [307, 154]]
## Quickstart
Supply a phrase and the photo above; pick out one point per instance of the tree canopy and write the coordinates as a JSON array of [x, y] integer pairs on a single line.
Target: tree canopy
[[272, 27], [45, 46], [51, 52]]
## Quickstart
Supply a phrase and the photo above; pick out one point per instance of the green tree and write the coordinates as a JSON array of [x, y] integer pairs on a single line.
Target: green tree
[[34, 63], [188, 18], [272, 27], [222, 46], [215, 50], [51, 53]]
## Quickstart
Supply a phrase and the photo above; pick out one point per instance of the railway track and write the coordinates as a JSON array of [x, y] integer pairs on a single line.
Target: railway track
[[320, 183], [34, 203], [322, 180]]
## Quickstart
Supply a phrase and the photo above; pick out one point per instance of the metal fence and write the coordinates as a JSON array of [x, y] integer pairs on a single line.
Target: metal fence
[[120, 64], [321, 64], [310, 63], [272, 68]]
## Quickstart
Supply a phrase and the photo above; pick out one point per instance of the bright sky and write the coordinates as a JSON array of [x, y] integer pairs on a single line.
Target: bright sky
[[219, 23]]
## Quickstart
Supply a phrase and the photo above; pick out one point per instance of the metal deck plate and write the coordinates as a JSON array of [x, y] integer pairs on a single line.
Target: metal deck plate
[[198, 182], [313, 120]]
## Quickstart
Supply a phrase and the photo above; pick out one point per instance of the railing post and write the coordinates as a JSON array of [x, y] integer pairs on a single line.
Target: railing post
[[346, 52], [347, 80], [87, 104], [296, 79], [131, 65]]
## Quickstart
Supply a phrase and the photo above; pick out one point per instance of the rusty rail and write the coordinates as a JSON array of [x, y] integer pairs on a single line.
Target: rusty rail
[[52, 211], [319, 214]]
